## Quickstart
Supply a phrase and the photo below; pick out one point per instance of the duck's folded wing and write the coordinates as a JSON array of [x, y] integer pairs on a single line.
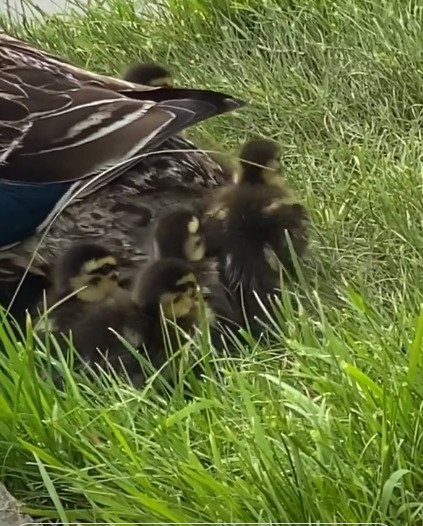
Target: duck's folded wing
[[73, 131], [17, 52], [22, 103]]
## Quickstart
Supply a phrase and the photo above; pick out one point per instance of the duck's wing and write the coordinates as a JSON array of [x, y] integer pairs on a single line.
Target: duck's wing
[[18, 53], [65, 131]]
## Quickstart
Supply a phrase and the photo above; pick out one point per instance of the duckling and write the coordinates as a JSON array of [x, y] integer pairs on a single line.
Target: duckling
[[84, 277], [260, 164], [149, 74], [167, 286], [179, 233], [246, 224]]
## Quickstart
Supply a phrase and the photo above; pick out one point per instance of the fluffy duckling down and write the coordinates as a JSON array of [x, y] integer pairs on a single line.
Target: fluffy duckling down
[[248, 223], [84, 277], [165, 288], [179, 233], [149, 74]]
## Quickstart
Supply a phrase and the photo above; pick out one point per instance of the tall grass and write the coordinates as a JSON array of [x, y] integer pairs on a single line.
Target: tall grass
[[323, 420]]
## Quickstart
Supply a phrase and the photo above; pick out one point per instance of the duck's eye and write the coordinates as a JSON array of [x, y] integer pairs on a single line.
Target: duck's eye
[[192, 290], [95, 280], [105, 269]]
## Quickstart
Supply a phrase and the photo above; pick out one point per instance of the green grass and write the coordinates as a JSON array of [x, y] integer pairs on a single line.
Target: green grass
[[325, 422]]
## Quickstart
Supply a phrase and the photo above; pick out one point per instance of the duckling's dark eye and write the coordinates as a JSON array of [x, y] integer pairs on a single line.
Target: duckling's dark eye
[[95, 280], [104, 270], [178, 297], [191, 290]]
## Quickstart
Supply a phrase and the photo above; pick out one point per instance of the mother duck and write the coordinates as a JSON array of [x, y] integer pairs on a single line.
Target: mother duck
[[73, 161]]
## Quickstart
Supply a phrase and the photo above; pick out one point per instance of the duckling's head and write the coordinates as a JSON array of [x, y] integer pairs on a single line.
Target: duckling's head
[[89, 267], [179, 234], [259, 163], [149, 74], [169, 283]]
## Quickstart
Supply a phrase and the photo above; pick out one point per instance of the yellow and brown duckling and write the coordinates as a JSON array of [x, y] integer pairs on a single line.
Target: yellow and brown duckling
[[85, 276], [179, 233], [247, 224], [167, 286], [149, 74], [260, 164]]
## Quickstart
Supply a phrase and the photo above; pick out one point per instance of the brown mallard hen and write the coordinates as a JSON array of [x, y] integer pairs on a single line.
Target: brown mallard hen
[[75, 142]]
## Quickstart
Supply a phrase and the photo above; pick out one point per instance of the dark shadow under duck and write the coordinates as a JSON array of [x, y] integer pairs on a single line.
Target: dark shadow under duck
[[73, 140]]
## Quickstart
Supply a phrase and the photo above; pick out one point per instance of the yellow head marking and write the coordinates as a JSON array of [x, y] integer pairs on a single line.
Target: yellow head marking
[[194, 248], [218, 212], [79, 282], [193, 225], [91, 285], [94, 264], [269, 174], [273, 178], [237, 176], [189, 278], [177, 304], [85, 291]]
